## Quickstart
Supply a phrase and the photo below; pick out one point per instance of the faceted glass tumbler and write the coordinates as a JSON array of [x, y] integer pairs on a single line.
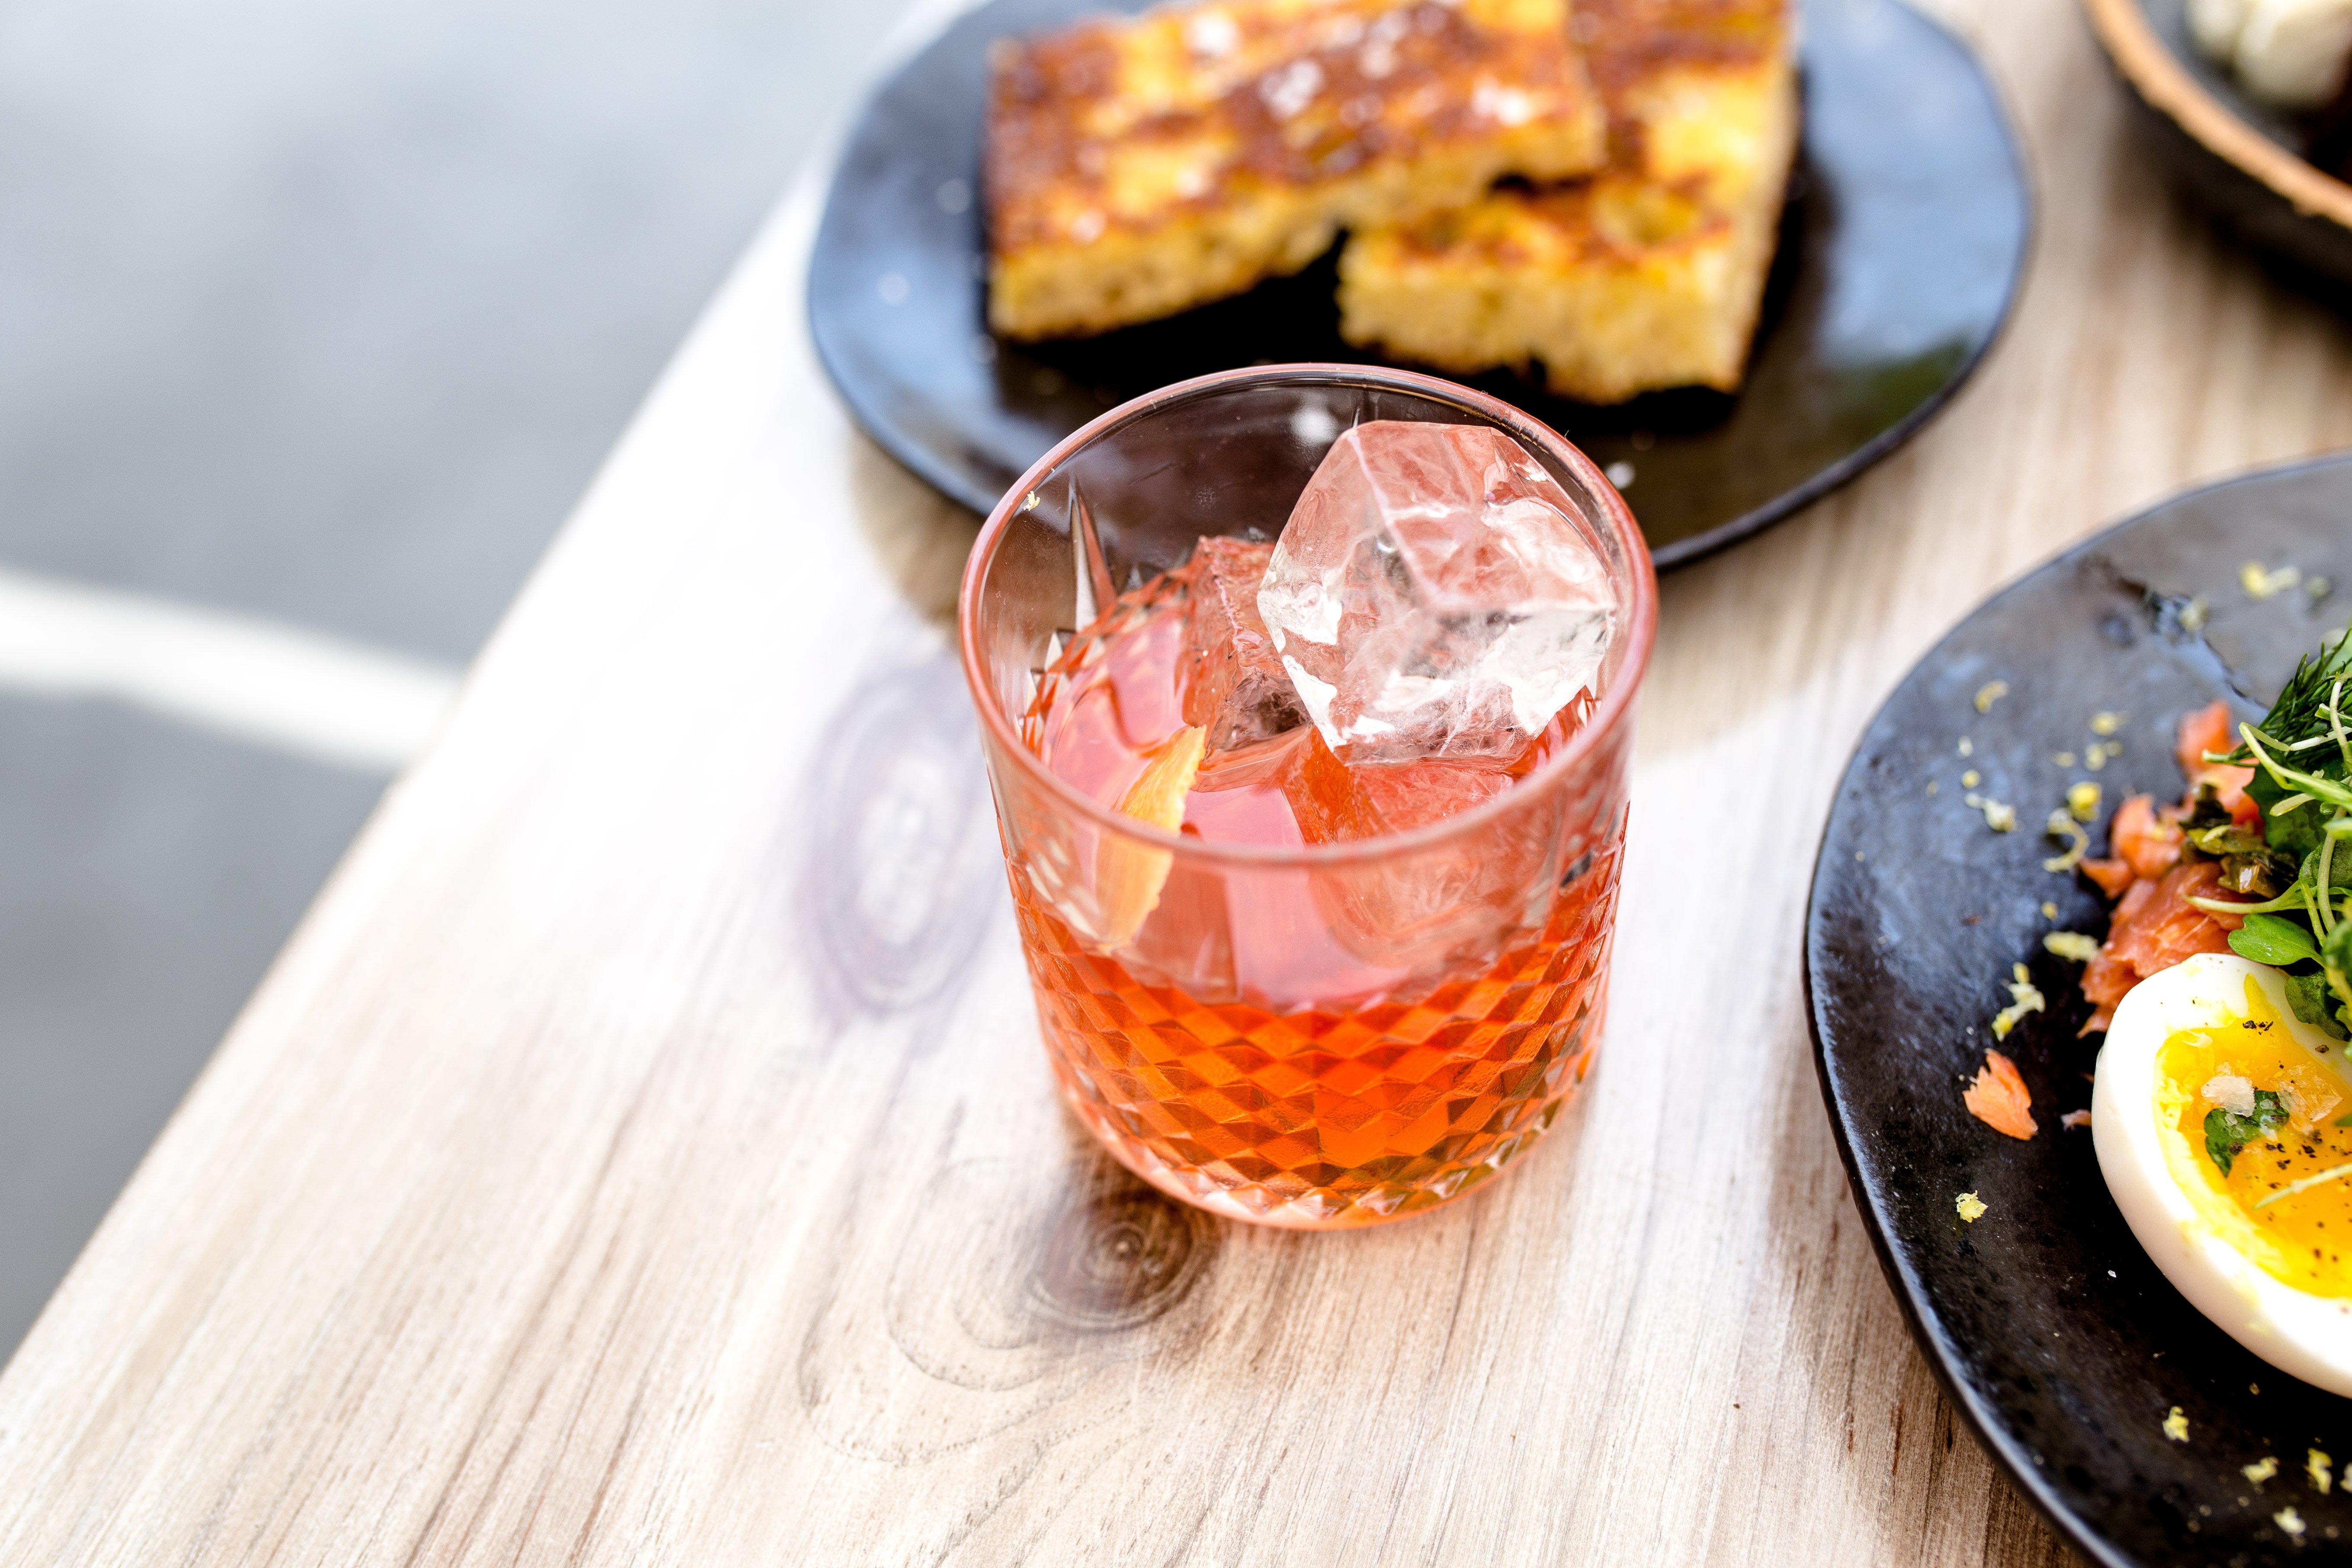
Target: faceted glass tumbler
[[1317, 1036]]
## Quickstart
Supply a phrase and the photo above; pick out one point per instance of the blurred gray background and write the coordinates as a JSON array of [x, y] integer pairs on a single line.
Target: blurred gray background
[[318, 316]]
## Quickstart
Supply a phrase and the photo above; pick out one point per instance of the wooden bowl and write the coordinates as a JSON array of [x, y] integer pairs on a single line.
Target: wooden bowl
[[2236, 158]]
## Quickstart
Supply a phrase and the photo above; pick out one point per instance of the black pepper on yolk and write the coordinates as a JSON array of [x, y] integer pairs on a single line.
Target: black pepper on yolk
[[2301, 1238]]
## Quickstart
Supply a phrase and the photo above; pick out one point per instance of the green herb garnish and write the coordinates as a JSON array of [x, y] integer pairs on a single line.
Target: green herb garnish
[[2307, 996], [2226, 1132], [2267, 939], [2301, 872], [2303, 708]]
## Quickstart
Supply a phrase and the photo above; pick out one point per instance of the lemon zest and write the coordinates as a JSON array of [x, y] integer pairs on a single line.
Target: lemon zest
[[1998, 817], [2024, 997], [2061, 825], [2260, 583], [2071, 945]]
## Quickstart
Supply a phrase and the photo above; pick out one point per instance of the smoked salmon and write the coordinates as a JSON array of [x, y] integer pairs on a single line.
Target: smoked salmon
[[2115, 878], [2212, 730], [2155, 926], [1999, 1098], [2140, 839]]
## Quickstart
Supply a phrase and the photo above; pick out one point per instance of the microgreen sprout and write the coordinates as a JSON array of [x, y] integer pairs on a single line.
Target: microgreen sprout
[[2301, 755]]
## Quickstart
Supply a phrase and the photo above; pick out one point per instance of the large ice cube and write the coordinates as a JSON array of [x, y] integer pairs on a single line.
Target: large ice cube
[[1449, 901], [1434, 596], [1234, 681], [1333, 802]]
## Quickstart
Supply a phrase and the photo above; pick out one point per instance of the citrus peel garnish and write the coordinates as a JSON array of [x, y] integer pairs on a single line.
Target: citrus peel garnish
[[1129, 875]]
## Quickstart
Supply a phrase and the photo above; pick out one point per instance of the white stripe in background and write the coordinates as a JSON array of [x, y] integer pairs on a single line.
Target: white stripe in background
[[317, 696]]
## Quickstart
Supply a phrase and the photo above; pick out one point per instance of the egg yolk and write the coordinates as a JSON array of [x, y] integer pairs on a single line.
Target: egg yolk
[[2301, 1238]]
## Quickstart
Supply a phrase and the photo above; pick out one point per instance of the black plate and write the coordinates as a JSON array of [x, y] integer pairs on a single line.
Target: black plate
[[1899, 258], [2054, 1335], [2275, 179]]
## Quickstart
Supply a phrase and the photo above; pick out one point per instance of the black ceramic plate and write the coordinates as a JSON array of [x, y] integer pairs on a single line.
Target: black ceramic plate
[[2054, 1335], [2276, 179], [1899, 256]]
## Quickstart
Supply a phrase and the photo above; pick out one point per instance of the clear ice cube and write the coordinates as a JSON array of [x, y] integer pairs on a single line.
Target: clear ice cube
[[1334, 802], [1234, 681], [1434, 595], [1437, 905]]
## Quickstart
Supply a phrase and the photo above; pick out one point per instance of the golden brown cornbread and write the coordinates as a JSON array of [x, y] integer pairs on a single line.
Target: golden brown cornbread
[[1139, 166], [1647, 275]]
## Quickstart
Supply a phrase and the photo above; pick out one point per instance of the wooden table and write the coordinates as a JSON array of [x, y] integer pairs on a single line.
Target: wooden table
[[643, 1153]]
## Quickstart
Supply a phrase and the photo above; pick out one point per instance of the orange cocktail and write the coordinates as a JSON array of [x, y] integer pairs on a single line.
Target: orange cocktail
[[1292, 981]]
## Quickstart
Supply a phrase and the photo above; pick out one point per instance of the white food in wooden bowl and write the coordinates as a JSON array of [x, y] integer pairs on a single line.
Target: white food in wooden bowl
[[2291, 53]]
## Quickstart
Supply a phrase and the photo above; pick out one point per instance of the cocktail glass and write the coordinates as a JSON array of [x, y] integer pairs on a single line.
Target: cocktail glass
[[1316, 1035]]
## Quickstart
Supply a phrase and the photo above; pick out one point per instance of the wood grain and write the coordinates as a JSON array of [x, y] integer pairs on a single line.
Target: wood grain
[[643, 1151]]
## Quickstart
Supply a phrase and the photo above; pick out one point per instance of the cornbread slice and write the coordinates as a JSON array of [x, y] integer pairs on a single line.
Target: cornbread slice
[[1139, 166], [1647, 275]]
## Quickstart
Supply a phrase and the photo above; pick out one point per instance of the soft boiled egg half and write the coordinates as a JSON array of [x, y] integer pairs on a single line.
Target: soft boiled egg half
[[2216, 1116]]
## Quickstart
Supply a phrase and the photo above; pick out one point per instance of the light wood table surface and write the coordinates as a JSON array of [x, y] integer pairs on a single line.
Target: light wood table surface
[[643, 1153]]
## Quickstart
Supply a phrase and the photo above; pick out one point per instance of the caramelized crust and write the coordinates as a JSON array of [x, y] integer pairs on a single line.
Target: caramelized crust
[[1647, 275], [1630, 43], [1138, 167]]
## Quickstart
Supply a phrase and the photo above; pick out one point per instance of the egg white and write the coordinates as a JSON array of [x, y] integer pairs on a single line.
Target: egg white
[[2307, 1335]]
